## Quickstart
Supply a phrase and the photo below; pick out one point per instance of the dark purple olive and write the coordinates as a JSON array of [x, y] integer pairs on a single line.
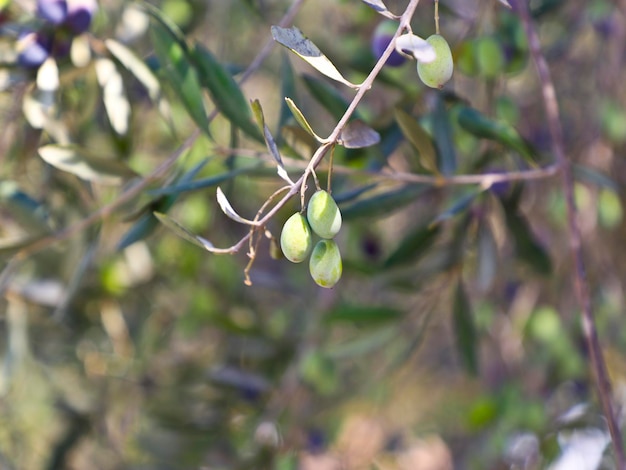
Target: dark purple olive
[[33, 49], [54, 11], [79, 15], [380, 40]]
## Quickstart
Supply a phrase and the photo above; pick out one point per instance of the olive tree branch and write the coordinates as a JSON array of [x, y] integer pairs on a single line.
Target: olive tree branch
[[597, 362], [154, 176]]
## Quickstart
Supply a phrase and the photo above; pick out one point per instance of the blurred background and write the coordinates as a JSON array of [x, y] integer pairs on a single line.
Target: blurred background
[[453, 339]]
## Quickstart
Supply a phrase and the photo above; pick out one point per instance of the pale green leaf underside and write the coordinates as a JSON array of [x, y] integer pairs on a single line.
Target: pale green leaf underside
[[293, 39]]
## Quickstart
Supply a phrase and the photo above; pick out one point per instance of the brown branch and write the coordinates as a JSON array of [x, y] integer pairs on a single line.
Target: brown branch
[[597, 362]]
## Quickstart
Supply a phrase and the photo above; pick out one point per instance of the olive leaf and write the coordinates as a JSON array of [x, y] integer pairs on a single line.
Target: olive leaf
[[293, 39], [357, 134], [300, 119], [85, 166], [228, 209], [380, 8], [257, 111]]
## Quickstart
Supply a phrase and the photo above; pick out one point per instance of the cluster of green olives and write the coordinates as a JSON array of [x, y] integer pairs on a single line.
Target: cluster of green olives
[[296, 241]]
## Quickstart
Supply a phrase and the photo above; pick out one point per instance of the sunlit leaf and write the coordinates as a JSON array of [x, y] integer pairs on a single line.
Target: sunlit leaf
[[479, 125], [300, 119], [420, 139], [465, 331], [228, 209], [380, 8], [357, 134], [224, 90], [140, 71], [413, 246], [293, 39], [48, 75], [383, 204], [113, 95], [85, 166], [180, 74]]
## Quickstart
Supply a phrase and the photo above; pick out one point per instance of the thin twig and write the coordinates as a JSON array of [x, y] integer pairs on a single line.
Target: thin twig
[[597, 362]]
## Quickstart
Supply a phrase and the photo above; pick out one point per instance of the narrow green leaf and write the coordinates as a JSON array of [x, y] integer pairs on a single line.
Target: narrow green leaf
[[300, 119], [146, 224], [166, 23], [444, 139], [479, 125], [346, 196], [458, 206], [183, 233], [415, 245], [85, 166], [293, 39], [26, 211], [362, 314], [527, 248], [182, 187], [465, 331], [180, 74], [270, 143], [224, 90], [357, 134], [419, 138], [383, 204], [287, 88], [327, 96]]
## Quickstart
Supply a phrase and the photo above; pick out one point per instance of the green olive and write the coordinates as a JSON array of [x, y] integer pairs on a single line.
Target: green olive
[[325, 263], [435, 74], [323, 215], [295, 238]]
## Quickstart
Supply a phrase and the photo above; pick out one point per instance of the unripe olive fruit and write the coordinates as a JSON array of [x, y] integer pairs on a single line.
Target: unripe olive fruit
[[380, 40], [435, 74], [295, 238], [325, 263], [323, 214]]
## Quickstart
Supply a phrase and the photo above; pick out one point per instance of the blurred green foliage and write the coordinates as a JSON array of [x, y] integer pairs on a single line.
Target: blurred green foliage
[[453, 339]]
